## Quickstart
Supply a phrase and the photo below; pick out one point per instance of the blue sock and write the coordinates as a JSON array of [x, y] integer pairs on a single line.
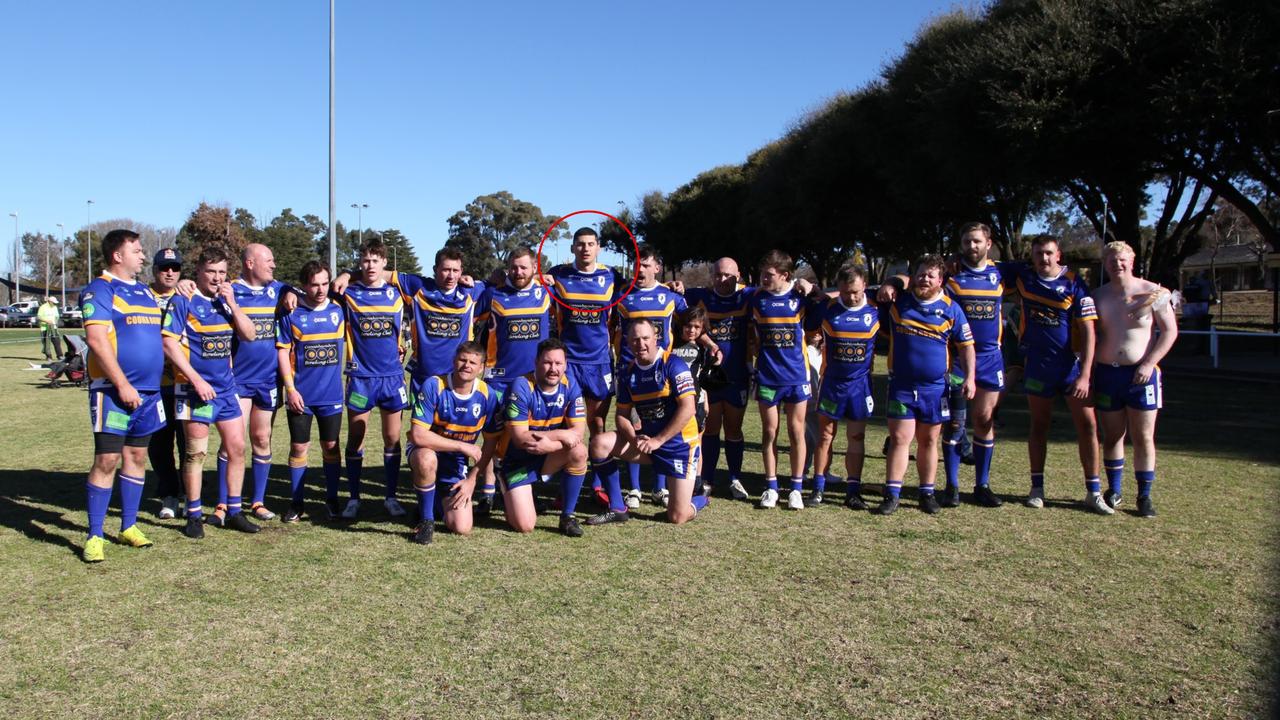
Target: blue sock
[[391, 470], [1115, 474], [570, 489], [633, 475], [982, 452], [771, 483], [98, 499], [894, 487], [489, 490], [261, 469], [853, 486], [426, 503], [233, 505], [1092, 484], [1145, 478], [1037, 480], [332, 480], [297, 475], [355, 468], [194, 509], [733, 455], [797, 483], [699, 502], [222, 480], [710, 457], [951, 461], [130, 498], [926, 490], [659, 481], [820, 482], [607, 470]]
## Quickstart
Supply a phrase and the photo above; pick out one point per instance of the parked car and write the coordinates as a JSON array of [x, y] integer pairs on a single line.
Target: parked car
[[23, 319], [72, 317], [24, 306]]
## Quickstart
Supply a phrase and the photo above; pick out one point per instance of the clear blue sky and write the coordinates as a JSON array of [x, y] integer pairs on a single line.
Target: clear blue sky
[[149, 108]]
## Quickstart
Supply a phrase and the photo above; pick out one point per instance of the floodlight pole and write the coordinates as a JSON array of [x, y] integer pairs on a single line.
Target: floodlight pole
[[333, 203], [17, 266], [88, 242], [62, 253]]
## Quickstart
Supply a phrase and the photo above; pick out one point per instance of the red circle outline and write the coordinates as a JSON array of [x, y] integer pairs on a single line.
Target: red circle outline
[[635, 277]]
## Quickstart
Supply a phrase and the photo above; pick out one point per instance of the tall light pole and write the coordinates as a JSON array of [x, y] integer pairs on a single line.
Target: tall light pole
[[88, 242], [360, 220], [62, 252], [46, 265], [17, 266], [395, 252], [333, 198]]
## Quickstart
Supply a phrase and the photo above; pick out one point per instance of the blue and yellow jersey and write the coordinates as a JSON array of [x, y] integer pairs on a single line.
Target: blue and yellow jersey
[[203, 328], [518, 320], [658, 304], [1050, 310], [162, 299], [779, 322], [978, 291], [453, 415], [316, 341], [653, 391], [374, 316], [728, 320], [131, 314], [528, 406], [849, 338], [585, 333], [441, 321], [255, 360], [920, 337]]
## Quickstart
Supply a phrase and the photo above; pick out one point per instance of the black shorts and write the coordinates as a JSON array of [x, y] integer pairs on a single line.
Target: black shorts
[[109, 444], [300, 427]]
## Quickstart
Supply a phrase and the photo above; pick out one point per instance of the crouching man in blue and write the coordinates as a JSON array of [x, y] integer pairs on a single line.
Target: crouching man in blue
[[546, 421], [662, 393], [449, 413]]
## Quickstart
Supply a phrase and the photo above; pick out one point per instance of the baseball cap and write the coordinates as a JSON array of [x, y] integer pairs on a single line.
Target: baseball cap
[[166, 257]]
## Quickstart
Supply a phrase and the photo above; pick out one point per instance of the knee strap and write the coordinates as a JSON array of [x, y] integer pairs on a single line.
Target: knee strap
[[195, 452]]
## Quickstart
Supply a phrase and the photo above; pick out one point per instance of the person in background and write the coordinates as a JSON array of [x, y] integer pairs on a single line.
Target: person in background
[[50, 337]]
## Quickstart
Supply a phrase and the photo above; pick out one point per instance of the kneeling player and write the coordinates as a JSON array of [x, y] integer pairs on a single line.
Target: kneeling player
[[546, 420], [662, 393], [849, 325], [921, 324], [311, 346], [449, 411], [197, 339]]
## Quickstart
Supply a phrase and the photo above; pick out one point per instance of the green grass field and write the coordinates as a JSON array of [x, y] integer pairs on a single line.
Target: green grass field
[[743, 613]]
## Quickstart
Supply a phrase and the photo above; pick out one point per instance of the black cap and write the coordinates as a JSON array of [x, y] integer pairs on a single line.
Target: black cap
[[166, 257]]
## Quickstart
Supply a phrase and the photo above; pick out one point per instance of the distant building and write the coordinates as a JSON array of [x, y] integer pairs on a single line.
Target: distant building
[[1236, 267]]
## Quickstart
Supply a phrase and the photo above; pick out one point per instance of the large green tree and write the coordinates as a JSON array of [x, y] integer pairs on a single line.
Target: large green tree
[[491, 226], [292, 240]]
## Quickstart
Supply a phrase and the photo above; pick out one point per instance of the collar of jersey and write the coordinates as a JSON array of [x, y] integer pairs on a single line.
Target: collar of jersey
[[108, 273], [475, 385]]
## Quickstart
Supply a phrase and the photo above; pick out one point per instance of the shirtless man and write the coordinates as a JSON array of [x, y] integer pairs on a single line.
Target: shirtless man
[[1126, 379]]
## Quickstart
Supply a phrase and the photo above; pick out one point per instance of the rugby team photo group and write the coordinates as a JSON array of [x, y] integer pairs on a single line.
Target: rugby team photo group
[[510, 384]]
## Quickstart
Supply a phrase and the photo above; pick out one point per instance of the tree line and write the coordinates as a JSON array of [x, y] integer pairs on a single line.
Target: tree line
[[293, 240], [1080, 113]]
